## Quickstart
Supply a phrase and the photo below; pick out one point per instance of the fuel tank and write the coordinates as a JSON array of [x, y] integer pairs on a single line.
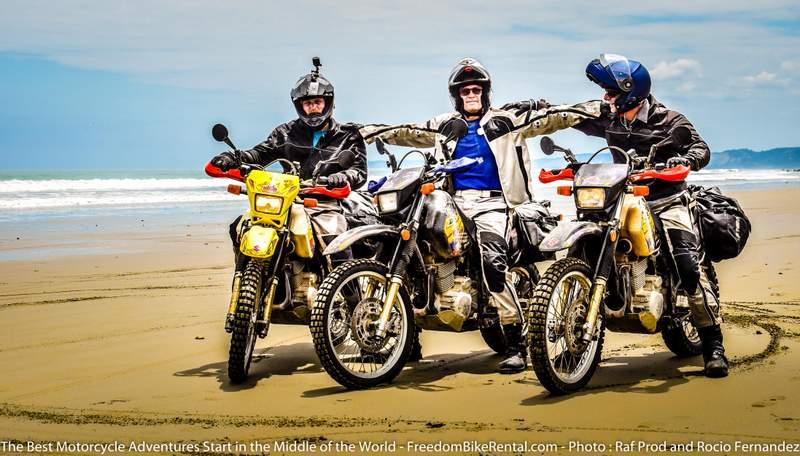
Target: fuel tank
[[442, 226], [302, 234], [637, 225]]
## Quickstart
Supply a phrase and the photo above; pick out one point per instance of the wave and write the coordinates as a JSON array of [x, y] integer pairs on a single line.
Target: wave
[[730, 175], [66, 185], [122, 200], [32, 194]]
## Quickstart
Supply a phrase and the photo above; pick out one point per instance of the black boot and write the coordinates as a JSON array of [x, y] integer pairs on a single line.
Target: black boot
[[416, 349], [713, 352], [516, 354]]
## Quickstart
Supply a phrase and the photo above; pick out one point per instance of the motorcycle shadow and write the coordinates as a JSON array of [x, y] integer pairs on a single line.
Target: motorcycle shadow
[[299, 358], [649, 373], [423, 375]]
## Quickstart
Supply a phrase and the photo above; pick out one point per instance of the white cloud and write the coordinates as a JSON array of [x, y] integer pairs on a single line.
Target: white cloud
[[676, 68], [790, 65], [765, 78]]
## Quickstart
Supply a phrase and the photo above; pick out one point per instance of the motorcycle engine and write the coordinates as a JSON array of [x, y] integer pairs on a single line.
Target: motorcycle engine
[[461, 298], [304, 289], [641, 293]]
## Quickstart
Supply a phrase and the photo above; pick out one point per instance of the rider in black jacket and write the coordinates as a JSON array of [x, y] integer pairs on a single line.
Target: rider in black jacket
[[637, 120], [313, 137]]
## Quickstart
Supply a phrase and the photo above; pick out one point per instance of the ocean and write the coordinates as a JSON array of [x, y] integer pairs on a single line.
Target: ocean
[[28, 194], [114, 212]]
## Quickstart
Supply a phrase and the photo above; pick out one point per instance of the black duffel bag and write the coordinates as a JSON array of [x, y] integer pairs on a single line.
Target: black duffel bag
[[723, 224]]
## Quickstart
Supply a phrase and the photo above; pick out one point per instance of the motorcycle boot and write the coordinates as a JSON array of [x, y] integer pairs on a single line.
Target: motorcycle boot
[[516, 356], [716, 364], [416, 349]]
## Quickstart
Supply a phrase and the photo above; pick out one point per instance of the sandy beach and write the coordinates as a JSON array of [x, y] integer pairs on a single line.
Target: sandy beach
[[129, 346]]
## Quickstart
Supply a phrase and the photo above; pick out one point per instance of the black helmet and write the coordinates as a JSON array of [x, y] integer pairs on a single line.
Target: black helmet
[[466, 72], [313, 85]]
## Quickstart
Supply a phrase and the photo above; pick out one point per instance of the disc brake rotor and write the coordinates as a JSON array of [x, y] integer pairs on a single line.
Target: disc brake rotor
[[339, 323], [364, 325], [573, 331]]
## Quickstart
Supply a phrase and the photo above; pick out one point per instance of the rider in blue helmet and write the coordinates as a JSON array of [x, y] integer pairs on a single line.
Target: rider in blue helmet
[[638, 121], [626, 81]]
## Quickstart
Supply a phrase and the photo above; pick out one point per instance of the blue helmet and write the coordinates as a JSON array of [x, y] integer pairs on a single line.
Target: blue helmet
[[615, 73]]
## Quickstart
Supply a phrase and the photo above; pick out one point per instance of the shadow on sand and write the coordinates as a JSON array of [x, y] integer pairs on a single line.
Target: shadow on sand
[[291, 359], [652, 373], [424, 375]]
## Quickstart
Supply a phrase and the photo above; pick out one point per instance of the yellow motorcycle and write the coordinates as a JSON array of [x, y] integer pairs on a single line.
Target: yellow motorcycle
[[278, 265]]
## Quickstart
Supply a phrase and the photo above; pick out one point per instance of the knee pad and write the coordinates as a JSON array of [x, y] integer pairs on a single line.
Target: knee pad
[[685, 253], [495, 264]]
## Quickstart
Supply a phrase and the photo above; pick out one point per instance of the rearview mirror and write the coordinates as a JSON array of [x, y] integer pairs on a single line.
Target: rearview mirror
[[547, 145], [219, 132]]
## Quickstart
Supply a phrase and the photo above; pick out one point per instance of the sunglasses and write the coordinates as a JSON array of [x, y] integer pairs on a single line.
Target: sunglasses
[[466, 91]]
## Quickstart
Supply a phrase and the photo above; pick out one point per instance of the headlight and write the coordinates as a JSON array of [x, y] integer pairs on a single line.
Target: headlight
[[591, 198], [269, 204], [387, 202]]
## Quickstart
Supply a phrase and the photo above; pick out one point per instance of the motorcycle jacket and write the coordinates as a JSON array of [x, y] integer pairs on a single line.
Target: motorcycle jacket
[[653, 123], [293, 141], [505, 132]]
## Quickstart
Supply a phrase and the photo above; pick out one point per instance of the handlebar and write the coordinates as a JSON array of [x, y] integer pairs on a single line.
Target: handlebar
[[675, 174]]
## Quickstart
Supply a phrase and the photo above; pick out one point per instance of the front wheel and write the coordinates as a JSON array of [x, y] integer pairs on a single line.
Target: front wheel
[[243, 336], [360, 358], [562, 361]]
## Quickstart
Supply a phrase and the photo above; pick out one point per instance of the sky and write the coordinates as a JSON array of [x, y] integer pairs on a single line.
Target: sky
[[108, 84]]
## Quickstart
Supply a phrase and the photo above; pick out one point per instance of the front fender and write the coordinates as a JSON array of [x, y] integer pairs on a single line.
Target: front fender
[[350, 237], [566, 234], [259, 242]]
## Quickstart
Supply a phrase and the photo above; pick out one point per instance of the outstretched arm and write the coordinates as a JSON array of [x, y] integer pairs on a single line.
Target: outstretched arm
[[408, 135], [554, 118]]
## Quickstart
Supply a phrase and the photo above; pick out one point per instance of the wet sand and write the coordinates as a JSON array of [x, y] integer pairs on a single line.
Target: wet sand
[[130, 346]]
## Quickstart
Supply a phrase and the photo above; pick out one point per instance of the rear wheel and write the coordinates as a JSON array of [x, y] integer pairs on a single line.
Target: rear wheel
[[681, 336], [562, 361], [359, 358], [243, 336]]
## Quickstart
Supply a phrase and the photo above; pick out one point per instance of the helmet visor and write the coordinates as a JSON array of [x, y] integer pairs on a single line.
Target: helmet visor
[[620, 69]]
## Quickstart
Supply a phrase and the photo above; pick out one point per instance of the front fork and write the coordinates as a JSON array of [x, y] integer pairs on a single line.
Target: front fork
[[274, 266], [399, 264], [605, 263]]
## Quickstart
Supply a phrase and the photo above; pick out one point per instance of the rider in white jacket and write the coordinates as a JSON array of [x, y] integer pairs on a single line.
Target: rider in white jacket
[[487, 192]]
